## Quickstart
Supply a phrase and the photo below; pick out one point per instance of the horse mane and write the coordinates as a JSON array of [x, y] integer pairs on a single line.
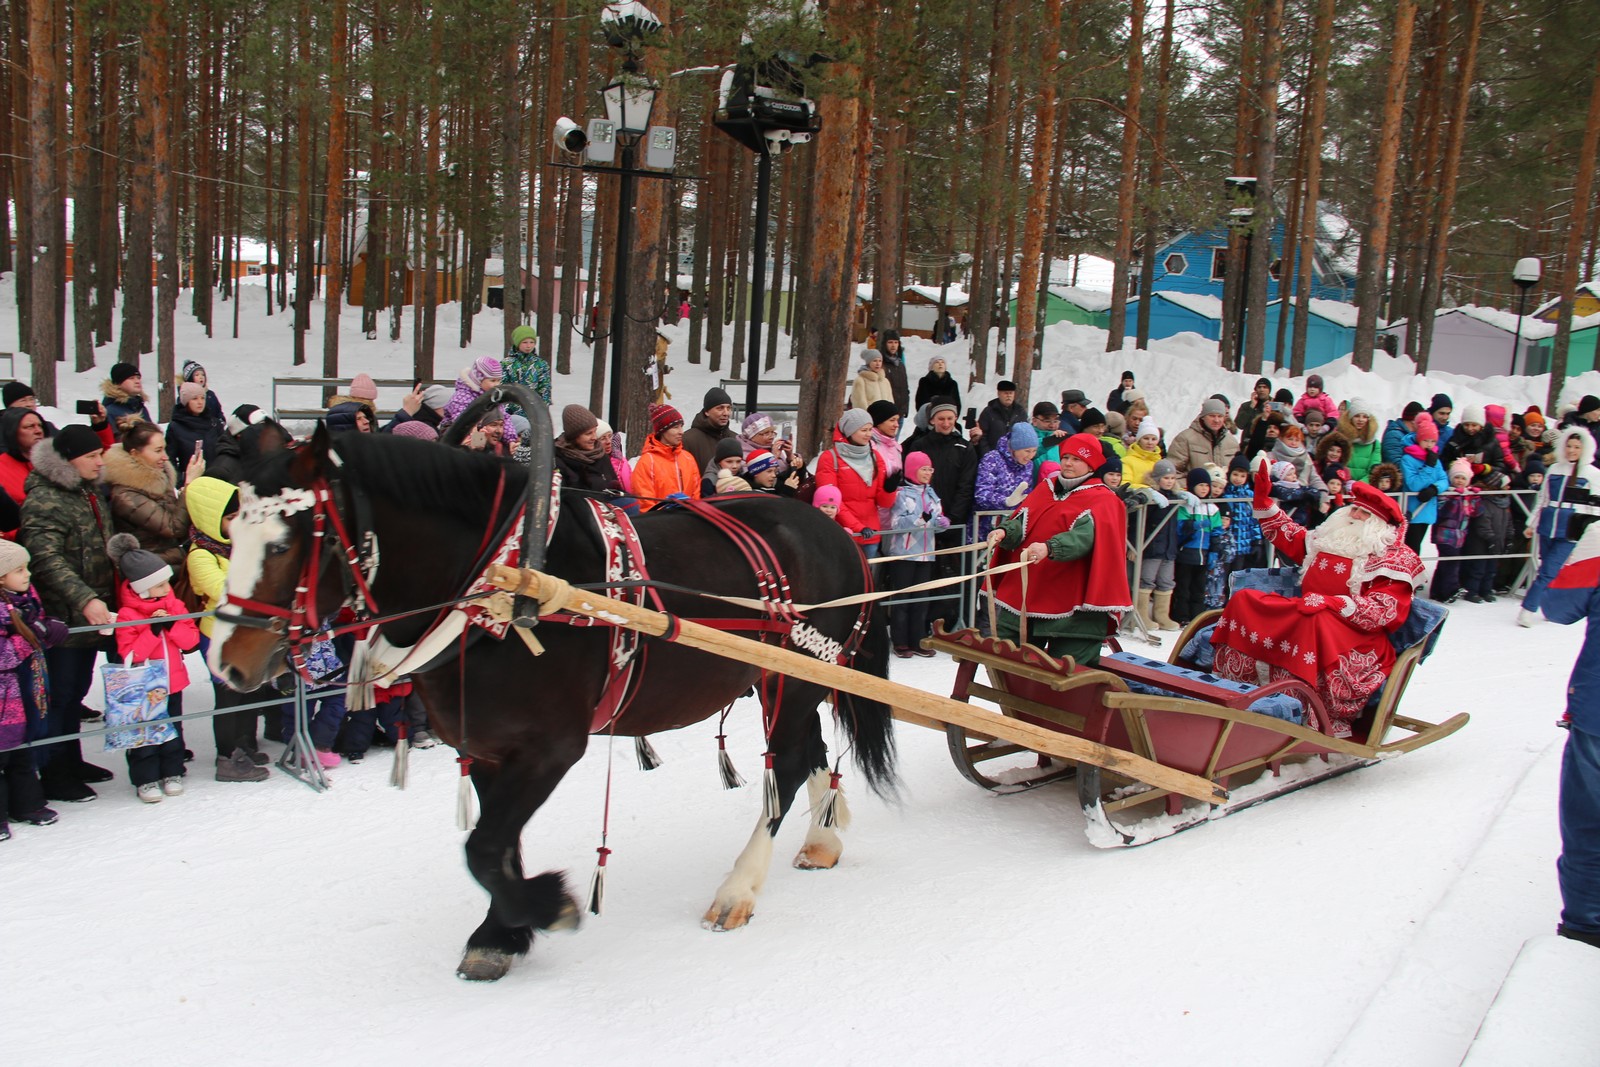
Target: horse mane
[[427, 475]]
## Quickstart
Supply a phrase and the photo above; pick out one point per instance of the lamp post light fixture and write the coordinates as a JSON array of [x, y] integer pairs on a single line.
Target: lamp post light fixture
[[762, 105], [1525, 275], [1242, 216], [629, 100]]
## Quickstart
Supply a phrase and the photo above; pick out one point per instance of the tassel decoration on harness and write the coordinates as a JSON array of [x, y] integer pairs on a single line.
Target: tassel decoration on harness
[[464, 794], [731, 779], [769, 792], [829, 816], [597, 884], [645, 752], [402, 755]]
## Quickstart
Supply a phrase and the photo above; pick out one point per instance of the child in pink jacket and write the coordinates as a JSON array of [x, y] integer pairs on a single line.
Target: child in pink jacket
[[1314, 397], [146, 593]]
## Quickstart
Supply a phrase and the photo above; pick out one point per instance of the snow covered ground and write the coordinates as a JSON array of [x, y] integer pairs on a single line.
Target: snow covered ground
[[1367, 920]]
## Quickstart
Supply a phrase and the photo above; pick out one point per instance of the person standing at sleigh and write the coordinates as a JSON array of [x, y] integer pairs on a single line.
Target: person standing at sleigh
[[1357, 580]]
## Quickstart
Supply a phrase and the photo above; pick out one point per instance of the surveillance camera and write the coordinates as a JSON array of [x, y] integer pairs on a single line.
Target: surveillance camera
[[569, 136]]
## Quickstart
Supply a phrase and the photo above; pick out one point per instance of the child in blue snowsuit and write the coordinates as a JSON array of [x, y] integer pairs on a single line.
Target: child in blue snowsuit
[[1244, 532], [1578, 868]]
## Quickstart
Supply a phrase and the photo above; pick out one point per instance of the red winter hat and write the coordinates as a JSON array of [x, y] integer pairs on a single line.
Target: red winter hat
[[1372, 499], [1086, 446], [1427, 429], [664, 417]]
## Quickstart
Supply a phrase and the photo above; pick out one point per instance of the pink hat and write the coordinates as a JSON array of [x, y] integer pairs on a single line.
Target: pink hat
[[1427, 429], [190, 391], [1049, 469], [416, 428], [1461, 467], [484, 367], [827, 496], [362, 387], [915, 462]]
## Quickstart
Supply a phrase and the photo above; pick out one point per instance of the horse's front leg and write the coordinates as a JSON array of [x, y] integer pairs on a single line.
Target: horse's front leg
[[518, 906], [798, 755]]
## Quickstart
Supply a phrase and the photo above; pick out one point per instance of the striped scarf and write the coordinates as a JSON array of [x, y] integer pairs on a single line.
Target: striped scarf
[[197, 539]]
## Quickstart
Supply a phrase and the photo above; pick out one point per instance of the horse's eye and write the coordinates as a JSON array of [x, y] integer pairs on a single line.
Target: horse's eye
[[277, 548]]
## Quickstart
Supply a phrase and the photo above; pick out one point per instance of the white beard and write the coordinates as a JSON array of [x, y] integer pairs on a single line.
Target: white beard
[[1351, 532]]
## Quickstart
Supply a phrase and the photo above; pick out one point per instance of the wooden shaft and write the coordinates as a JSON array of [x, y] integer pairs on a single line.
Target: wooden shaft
[[554, 594]]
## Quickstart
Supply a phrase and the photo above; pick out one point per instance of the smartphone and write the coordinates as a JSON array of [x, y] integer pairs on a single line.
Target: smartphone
[[971, 418], [88, 407]]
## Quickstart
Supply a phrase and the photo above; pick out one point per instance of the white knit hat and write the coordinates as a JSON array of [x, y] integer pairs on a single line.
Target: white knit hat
[[1148, 428]]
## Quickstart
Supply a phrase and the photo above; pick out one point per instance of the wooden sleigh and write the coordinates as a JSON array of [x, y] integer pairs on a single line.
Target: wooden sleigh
[[1254, 742]]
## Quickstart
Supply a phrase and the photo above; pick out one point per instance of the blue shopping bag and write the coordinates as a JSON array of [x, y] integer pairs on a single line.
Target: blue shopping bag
[[136, 699]]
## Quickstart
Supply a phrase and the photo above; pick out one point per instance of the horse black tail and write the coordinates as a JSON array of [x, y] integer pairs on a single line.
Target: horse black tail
[[869, 723]]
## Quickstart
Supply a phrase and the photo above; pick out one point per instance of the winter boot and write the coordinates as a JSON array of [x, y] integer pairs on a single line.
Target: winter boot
[[1163, 612], [1588, 937], [239, 768], [1141, 608], [150, 792], [1527, 618]]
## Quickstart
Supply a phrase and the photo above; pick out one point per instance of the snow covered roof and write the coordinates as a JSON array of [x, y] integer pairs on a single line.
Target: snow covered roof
[[1201, 304], [955, 297], [1590, 287], [1087, 299], [1335, 311], [1532, 328]]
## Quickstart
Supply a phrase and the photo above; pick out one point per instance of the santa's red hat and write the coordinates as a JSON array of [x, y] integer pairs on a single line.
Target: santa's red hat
[[1086, 446], [1371, 499]]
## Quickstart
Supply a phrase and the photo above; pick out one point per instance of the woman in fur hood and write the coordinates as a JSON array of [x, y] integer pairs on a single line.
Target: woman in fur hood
[[124, 397], [145, 501]]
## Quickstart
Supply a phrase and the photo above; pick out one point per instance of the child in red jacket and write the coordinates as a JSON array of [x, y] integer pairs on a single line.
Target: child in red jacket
[[146, 593]]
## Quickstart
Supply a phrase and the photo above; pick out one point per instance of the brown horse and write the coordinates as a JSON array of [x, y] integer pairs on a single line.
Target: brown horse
[[524, 720]]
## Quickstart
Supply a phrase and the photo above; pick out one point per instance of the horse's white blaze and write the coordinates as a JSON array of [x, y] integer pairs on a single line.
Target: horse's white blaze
[[258, 524]]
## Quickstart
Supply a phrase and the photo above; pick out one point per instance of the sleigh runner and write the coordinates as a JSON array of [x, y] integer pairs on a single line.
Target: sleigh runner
[[1258, 742]]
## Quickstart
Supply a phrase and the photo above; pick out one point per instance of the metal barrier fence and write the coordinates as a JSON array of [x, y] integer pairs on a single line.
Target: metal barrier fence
[[299, 759]]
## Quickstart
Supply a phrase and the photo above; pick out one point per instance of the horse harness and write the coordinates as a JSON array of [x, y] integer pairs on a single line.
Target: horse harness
[[477, 610]]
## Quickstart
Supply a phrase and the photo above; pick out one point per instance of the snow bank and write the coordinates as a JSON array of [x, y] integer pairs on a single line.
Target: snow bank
[[1545, 1011]]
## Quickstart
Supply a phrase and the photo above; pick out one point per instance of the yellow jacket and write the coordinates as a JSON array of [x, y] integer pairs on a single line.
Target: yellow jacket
[[207, 500], [1136, 465]]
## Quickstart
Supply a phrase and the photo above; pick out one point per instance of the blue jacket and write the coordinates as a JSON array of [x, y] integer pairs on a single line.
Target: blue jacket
[[1583, 688], [1566, 483], [1160, 523], [1199, 525], [1394, 439], [1418, 475], [1238, 505]]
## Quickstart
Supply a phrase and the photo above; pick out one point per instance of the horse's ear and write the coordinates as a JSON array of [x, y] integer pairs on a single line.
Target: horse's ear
[[311, 459]]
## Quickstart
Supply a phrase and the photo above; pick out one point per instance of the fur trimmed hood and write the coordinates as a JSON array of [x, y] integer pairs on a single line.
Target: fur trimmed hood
[[123, 469], [117, 394], [48, 464]]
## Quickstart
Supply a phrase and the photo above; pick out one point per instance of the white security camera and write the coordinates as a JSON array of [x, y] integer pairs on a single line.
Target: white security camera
[[569, 136]]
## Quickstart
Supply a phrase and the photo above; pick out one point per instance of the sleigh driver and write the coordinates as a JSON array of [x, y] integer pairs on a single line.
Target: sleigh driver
[[1357, 581]]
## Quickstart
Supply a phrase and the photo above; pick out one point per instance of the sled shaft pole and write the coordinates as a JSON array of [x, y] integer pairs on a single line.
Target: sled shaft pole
[[554, 594]]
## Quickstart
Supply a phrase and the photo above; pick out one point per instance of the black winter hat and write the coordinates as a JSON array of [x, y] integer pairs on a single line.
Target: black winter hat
[[1411, 411], [1196, 476], [727, 448], [1239, 462], [13, 392], [716, 396], [1127, 376], [1264, 381], [1589, 403], [1006, 386], [1091, 417], [1442, 400], [75, 440], [123, 371], [881, 411]]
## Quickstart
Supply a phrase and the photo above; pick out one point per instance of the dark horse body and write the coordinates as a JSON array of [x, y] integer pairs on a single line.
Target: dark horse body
[[525, 719]]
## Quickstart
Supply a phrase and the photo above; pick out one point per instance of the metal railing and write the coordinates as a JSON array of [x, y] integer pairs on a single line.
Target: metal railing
[[299, 759]]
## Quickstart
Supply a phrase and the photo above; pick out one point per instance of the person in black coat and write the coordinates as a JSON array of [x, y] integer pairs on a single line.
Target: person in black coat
[[193, 429], [955, 474], [580, 459], [1474, 440], [996, 420], [937, 384], [894, 368], [1114, 401]]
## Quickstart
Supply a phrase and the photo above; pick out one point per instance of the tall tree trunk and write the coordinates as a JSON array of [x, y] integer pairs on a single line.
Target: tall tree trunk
[[1153, 206], [991, 195], [333, 210], [1233, 281], [46, 341], [511, 172], [427, 287], [555, 82], [1316, 118], [154, 43], [1262, 223], [1042, 177], [1370, 282], [821, 362], [1572, 258], [86, 191], [1439, 235], [780, 249], [1128, 181]]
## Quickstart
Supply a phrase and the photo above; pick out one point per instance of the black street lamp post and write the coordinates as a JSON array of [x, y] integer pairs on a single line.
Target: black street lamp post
[[1242, 217], [1525, 275]]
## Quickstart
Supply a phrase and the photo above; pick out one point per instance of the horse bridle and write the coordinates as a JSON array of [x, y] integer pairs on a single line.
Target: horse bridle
[[299, 623]]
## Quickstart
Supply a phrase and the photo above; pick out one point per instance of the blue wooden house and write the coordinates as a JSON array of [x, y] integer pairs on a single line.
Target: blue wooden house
[[1330, 332], [1174, 313], [1196, 261]]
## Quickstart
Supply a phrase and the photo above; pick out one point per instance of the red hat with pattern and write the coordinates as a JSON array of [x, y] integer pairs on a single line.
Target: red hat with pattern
[[1374, 500], [664, 417]]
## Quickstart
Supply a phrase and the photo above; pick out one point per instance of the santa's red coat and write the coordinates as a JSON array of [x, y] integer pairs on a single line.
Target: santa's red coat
[[1335, 635]]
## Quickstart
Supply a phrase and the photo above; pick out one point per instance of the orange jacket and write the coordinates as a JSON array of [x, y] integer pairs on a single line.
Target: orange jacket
[[661, 471]]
